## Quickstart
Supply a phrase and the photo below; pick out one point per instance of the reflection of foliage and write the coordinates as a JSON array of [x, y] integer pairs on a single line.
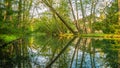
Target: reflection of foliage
[[46, 43], [112, 53], [55, 41], [50, 47], [83, 51], [15, 53], [110, 48]]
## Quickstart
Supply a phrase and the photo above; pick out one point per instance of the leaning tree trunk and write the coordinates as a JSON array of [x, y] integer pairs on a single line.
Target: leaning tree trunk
[[59, 16]]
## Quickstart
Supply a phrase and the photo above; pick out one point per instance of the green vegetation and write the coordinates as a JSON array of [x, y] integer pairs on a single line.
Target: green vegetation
[[60, 33], [110, 22], [20, 18], [14, 19], [101, 35], [8, 38]]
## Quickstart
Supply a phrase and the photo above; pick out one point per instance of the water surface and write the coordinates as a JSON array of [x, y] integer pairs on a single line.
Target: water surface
[[54, 52]]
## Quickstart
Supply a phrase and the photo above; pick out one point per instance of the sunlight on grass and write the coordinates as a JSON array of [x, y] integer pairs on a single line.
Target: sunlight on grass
[[101, 35], [8, 38], [66, 35], [106, 36]]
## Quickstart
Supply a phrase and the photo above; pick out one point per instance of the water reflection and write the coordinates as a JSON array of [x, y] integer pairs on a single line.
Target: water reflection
[[50, 52], [15, 55]]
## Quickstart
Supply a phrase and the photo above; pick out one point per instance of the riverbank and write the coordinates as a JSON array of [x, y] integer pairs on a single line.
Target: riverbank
[[101, 35], [4, 38], [91, 35], [8, 38]]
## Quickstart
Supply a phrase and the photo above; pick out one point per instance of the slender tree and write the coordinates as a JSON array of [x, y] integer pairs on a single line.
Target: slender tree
[[119, 11], [59, 16], [73, 13], [83, 16]]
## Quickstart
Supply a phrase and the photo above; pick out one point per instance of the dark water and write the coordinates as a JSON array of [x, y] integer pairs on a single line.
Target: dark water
[[50, 52]]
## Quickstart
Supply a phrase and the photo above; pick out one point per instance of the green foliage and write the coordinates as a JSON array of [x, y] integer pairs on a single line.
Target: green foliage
[[47, 25], [97, 26], [13, 20], [109, 24], [8, 38], [50, 22], [110, 48]]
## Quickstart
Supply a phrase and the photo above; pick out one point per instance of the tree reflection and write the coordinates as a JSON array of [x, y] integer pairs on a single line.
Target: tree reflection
[[15, 54], [111, 49], [66, 46], [50, 52]]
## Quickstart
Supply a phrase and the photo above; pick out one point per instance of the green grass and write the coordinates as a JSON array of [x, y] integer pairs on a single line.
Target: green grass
[[92, 35], [101, 35], [8, 38]]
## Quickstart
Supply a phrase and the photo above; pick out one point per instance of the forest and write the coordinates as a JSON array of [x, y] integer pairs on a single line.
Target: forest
[[21, 18], [59, 33]]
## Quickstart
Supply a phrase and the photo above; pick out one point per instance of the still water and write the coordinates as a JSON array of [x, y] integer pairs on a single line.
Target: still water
[[54, 52]]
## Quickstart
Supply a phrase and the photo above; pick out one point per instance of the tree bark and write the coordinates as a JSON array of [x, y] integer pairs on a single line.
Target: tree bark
[[19, 12], [74, 17], [59, 16], [83, 17], [119, 11]]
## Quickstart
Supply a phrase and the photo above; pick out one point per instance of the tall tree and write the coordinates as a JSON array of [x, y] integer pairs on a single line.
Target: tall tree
[[59, 16], [73, 13], [83, 15], [119, 11]]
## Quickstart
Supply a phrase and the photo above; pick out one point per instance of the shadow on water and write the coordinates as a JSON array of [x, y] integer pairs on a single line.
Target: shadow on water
[[52, 52]]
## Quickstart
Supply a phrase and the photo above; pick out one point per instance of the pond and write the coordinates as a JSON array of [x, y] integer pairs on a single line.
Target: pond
[[55, 52]]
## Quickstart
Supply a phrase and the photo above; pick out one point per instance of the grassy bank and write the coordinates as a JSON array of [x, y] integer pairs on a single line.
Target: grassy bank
[[101, 35], [91, 35], [7, 38]]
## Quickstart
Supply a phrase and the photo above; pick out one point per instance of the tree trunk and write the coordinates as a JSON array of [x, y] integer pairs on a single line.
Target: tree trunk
[[74, 17], [59, 16], [83, 15], [119, 11], [19, 13], [7, 11]]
